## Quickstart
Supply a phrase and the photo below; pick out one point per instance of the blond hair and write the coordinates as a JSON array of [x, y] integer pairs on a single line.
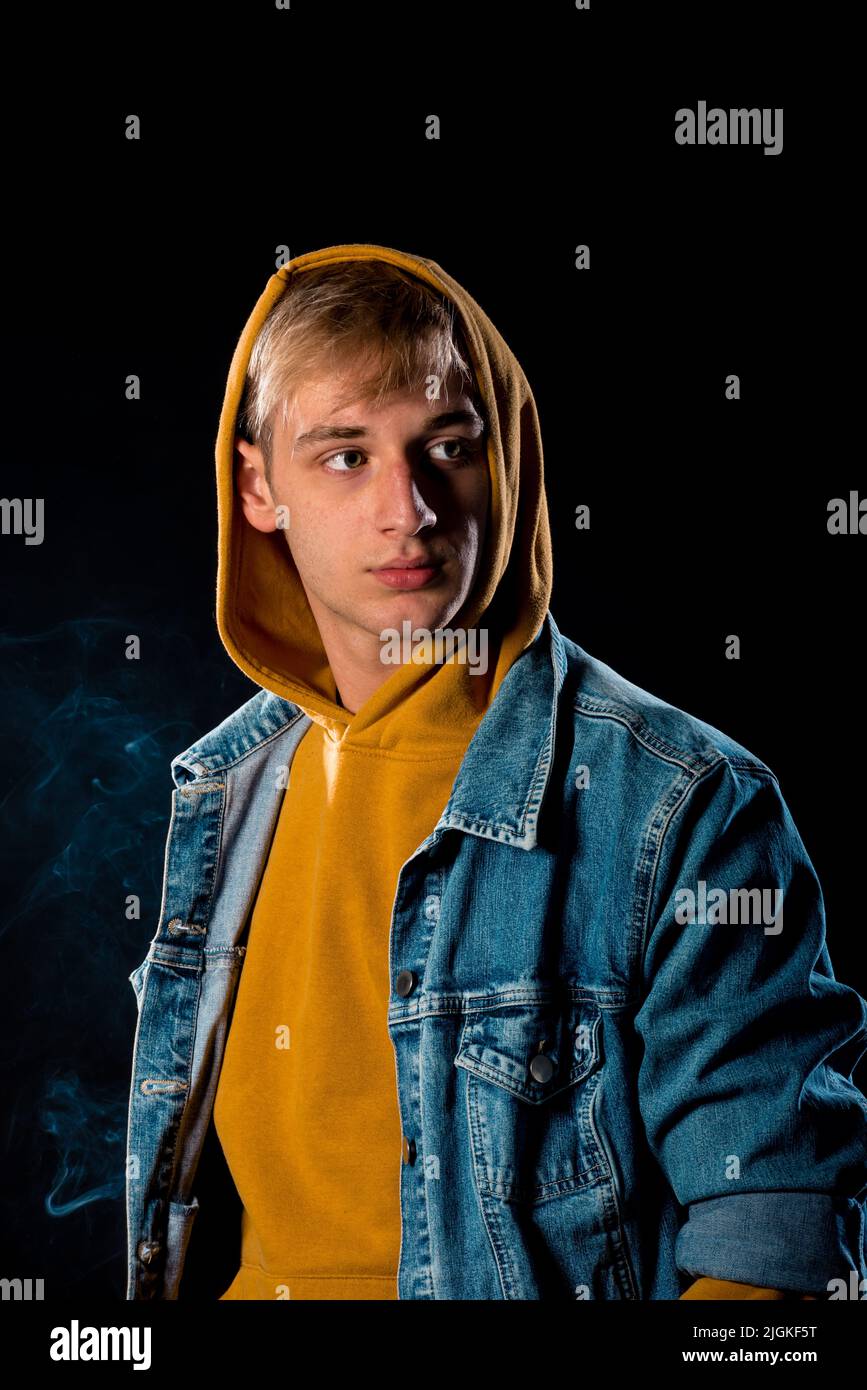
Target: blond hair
[[333, 318]]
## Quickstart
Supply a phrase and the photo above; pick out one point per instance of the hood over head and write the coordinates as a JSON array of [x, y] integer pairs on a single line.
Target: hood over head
[[263, 615]]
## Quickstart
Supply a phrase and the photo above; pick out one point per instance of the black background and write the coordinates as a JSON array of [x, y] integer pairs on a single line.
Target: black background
[[307, 127]]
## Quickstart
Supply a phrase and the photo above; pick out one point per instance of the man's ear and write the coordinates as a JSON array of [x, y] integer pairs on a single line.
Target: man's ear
[[252, 485]]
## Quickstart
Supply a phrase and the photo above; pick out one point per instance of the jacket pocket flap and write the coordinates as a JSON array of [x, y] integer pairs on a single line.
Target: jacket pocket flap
[[533, 1050]]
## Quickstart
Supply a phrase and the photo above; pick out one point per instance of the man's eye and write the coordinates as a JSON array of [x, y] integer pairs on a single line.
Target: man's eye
[[465, 450], [342, 453]]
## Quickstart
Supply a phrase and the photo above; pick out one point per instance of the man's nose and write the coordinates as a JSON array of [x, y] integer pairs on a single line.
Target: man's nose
[[400, 503]]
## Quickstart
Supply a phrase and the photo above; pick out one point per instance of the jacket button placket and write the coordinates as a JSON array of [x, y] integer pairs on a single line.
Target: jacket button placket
[[415, 1265]]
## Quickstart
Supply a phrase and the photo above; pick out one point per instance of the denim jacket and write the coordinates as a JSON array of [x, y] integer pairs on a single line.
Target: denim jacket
[[604, 1093]]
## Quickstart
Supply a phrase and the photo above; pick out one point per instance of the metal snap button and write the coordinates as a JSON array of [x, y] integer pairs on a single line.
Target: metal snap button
[[405, 983], [541, 1067]]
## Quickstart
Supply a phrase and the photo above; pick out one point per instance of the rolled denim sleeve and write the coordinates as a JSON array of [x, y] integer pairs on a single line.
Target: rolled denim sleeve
[[745, 1083]]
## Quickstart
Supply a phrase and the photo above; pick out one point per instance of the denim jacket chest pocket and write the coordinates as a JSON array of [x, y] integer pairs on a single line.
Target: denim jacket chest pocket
[[533, 1070]]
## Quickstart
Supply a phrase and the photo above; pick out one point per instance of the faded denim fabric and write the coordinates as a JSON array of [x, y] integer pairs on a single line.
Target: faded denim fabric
[[604, 1101]]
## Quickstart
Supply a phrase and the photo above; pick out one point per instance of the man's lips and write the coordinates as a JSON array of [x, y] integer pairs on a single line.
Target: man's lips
[[408, 575]]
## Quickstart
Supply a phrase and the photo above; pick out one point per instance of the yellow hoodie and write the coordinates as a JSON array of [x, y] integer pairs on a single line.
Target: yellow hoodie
[[306, 1107]]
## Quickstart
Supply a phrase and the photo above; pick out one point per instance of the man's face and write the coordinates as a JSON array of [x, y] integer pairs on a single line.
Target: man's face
[[366, 489]]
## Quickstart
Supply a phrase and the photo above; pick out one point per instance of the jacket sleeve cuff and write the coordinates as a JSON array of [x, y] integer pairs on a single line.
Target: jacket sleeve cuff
[[795, 1241]]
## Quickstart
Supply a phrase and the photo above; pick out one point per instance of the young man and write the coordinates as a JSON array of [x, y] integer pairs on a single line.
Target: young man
[[436, 1007]]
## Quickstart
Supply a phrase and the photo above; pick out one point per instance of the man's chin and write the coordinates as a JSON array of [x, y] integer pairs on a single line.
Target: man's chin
[[427, 612]]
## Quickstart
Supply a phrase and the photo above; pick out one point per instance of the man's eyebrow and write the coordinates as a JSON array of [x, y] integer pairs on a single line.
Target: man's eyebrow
[[319, 433]]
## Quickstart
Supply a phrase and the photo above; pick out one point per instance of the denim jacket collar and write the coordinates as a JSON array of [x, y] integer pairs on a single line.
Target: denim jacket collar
[[496, 795]]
